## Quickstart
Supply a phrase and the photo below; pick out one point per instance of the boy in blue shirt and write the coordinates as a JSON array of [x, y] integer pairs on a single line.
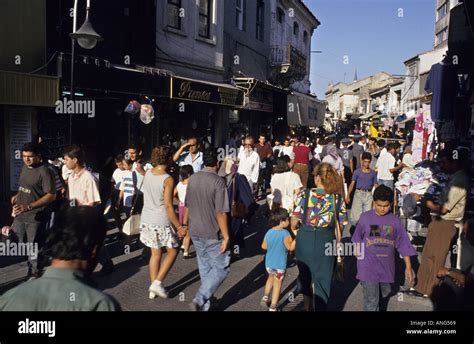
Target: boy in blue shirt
[[277, 243]]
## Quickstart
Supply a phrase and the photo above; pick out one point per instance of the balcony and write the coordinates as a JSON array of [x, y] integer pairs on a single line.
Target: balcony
[[287, 62]]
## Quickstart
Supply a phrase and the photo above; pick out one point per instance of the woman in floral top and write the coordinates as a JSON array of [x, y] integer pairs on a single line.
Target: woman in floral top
[[314, 212]]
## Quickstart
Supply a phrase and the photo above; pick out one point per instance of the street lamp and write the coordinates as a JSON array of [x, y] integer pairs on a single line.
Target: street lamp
[[87, 38]]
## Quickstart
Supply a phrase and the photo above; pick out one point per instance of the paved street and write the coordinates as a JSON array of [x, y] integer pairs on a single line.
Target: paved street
[[241, 291]]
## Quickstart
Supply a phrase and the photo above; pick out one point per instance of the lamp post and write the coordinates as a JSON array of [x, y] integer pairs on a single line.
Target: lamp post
[[87, 38]]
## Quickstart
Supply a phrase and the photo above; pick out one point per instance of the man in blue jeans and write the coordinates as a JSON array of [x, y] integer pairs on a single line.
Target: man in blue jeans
[[207, 205]]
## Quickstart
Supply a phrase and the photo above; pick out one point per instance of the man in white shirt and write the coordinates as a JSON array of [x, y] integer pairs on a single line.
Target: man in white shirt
[[288, 150], [83, 191], [189, 154], [249, 162], [386, 165]]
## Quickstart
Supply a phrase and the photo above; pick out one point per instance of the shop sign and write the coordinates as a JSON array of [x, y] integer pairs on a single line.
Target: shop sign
[[191, 90]]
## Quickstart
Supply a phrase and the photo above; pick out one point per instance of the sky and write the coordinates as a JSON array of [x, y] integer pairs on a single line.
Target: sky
[[370, 35]]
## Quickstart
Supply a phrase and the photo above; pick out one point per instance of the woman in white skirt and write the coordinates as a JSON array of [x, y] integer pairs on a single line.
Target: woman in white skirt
[[159, 223]]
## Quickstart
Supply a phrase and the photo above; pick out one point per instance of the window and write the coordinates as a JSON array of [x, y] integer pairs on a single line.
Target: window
[[260, 19], [305, 37], [442, 36], [442, 11], [174, 20], [205, 18], [296, 29], [280, 15], [239, 14]]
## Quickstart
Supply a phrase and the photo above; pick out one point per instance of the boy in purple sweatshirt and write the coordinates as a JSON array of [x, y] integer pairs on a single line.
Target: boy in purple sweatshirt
[[381, 234]]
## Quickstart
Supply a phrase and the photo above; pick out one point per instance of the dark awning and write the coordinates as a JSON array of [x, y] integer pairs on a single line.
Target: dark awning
[[305, 111], [28, 90]]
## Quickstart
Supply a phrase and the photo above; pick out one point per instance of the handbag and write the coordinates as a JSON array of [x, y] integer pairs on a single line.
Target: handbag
[[239, 210], [338, 274], [132, 225]]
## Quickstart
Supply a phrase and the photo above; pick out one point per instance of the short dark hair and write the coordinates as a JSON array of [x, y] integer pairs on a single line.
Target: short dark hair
[[119, 158], [381, 143], [32, 147], [276, 216], [393, 145], [136, 146], [186, 171], [262, 135], [366, 156], [281, 165], [383, 193], [129, 162], [210, 157], [75, 152], [75, 234]]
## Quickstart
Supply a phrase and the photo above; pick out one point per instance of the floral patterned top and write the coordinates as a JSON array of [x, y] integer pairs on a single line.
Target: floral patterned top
[[320, 209]]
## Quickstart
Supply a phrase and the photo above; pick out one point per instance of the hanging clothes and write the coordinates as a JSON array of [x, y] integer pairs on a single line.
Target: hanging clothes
[[443, 82]]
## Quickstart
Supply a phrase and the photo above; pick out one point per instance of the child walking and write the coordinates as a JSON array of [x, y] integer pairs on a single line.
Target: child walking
[[378, 235], [127, 189], [185, 172], [277, 243]]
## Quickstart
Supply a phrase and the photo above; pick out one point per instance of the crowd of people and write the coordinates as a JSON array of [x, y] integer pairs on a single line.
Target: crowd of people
[[190, 195]]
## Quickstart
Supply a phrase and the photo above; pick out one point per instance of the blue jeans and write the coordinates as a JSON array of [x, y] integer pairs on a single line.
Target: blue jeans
[[372, 292], [388, 183], [213, 269]]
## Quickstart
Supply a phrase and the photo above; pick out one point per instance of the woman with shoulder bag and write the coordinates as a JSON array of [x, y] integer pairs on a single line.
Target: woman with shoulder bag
[[320, 214]]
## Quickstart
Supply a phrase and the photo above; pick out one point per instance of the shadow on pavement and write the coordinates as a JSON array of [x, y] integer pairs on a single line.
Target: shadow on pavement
[[183, 283], [253, 281]]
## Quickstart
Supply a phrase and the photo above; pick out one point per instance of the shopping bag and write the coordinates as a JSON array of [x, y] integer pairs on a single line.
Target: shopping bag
[[132, 225]]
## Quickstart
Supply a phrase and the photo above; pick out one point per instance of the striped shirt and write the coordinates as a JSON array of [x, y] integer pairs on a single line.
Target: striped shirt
[[128, 188]]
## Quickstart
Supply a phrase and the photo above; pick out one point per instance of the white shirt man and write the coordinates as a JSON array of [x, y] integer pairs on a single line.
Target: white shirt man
[[83, 189], [249, 164]]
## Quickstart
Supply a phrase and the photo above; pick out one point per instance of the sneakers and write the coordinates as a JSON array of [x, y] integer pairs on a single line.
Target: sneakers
[[157, 289], [265, 302], [273, 309]]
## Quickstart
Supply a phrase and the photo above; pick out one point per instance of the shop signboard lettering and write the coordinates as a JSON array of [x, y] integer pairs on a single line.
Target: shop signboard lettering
[[205, 92]]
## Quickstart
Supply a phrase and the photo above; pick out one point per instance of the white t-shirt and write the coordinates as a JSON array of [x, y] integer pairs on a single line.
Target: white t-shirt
[[283, 188], [336, 163], [408, 160], [181, 188], [117, 177], [140, 177], [288, 151], [249, 166], [384, 164]]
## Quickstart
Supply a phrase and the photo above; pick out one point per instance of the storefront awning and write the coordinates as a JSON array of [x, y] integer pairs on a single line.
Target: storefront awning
[[206, 92], [305, 111], [28, 90], [367, 116]]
